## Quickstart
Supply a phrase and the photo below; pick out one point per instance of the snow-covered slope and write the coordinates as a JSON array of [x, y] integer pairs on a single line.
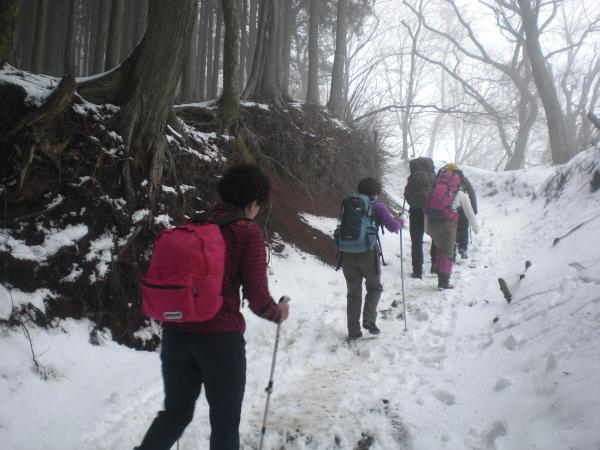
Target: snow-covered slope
[[470, 372]]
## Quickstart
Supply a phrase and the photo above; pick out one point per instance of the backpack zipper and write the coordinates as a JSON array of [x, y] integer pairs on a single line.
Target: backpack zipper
[[158, 286]]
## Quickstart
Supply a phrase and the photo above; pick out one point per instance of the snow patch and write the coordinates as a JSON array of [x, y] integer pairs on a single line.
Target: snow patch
[[139, 215], [101, 250], [164, 220], [10, 298], [54, 240]]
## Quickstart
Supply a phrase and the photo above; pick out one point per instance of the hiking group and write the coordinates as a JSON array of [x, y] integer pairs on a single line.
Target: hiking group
[[192, 284], [438, 206]]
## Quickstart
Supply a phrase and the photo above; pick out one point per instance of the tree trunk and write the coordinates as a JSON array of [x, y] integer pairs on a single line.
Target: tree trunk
[[70, 43], [101, 35], [336, 97], [561, 143], [437, 122], [209, 46], [214, 85], [41, 21], [141, 20], [188, 81], [9, 11], [264, 83], [287, 46], [252, 29], [312, 94], [230, 99], [91, 16], [128, 29], [144, 86], [23, 41], [55, 43], [202, 44], [94, 9], [528, 111], [115, 35], [243, 42]]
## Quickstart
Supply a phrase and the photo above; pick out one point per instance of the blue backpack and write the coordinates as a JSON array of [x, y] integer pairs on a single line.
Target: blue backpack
[[357, 229]]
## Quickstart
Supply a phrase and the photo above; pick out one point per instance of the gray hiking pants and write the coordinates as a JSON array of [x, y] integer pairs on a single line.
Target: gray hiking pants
[[357, 266]]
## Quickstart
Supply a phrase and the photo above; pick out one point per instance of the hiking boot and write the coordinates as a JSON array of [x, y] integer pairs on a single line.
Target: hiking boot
[[352, 337], [444, 281], [463, 253], [416, 275], [371, 328]]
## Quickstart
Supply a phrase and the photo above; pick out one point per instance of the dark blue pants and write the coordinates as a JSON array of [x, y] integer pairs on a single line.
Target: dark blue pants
[[417, 229], [462, 234], [217, 361]]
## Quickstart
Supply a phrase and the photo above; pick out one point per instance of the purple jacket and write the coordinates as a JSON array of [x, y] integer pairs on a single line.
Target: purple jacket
[[383, 216]]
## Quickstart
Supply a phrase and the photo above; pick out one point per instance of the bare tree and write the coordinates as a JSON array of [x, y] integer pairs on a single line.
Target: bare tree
[[515, 69], [561, 141], [337, 101], [410, 92], [580, 73], [312, 95]]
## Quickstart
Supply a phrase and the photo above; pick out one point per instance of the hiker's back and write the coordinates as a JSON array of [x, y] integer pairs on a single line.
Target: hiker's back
[[420, 182], [357, 229], [440, 204]]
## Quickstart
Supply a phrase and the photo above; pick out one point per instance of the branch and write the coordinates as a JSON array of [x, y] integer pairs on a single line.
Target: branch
[[483, 56], [451, 110]]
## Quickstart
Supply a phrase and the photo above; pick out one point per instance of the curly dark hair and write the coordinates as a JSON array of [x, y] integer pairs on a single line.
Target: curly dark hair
[[243, 184], [369, 187]]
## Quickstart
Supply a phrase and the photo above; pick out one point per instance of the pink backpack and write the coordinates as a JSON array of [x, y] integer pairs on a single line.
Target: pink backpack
[[184, 280], [439, 206]]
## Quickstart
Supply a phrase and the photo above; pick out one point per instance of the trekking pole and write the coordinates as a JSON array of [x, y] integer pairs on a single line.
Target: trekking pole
[[269, 389], [402, 278]]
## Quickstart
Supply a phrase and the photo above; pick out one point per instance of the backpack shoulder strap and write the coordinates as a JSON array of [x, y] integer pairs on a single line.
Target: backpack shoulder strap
[[231, 219], [209, 217]]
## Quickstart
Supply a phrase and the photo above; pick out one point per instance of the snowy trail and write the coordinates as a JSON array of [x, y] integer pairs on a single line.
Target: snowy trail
[[331, 394], [471, 372]]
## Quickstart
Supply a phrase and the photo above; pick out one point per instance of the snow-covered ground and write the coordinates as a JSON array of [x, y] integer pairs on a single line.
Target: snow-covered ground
[[470, 372]]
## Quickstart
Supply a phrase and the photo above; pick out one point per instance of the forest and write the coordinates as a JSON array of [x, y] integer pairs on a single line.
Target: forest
[[481, 79]]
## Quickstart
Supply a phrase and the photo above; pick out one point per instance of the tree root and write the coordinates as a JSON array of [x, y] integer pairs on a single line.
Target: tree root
[[54, 105]]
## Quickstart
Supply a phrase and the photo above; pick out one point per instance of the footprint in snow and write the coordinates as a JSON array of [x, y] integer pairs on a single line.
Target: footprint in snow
[[502, 384], [445, 397], [510, 343], [496, 430]]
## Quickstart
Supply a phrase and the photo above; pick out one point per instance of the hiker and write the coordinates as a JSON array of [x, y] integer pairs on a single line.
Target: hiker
[[417, 190], [442, 219], [212, 353], [462, 235], [360, 254]]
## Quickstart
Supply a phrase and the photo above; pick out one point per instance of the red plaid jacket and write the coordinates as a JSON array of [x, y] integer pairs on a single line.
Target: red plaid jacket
[[246, 267]]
